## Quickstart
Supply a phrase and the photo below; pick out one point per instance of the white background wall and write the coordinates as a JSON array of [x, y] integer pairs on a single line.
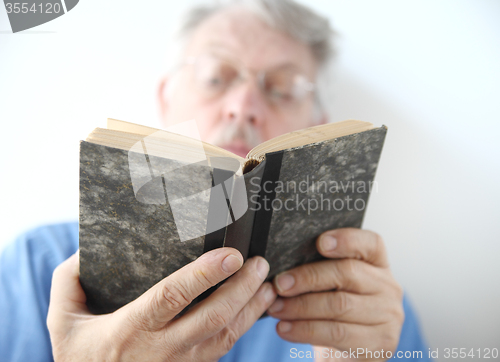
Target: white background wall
[[427, 69]]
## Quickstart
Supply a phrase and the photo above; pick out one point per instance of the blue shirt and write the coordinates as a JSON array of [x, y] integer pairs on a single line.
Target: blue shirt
[[26, 268]]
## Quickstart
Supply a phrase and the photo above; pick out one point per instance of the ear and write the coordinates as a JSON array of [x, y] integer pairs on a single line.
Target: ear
[[163, 99]]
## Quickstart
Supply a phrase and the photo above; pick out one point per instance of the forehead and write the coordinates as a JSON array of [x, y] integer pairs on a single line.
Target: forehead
[[239, 34]]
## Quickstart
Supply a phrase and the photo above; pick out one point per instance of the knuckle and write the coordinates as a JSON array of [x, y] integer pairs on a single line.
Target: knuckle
[[394, 289], [346, 232], [389, 340], [220, 316], [230, 338], [399, 314], [350, 234], [341, 303], [206, 280], [302, 304], [399, 291], [308, 330], [354, 266], [338, 333], [312, 274], [52, 324], [347, 273], [172, 346], [174, 296], [250, 283], [216, 319]]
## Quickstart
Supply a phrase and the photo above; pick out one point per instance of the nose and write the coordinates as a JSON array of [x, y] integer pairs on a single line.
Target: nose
[[245, 103]]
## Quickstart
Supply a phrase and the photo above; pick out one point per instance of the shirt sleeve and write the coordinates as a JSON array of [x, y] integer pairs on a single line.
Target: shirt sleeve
[[26, 267]]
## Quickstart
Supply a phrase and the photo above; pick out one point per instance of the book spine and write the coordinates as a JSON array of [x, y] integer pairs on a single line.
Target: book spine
[[239, 233], [264, 210]]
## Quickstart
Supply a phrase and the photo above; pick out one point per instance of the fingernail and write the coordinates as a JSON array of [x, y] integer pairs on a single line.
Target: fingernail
[[277, 306], [262, 268], [328, 243], [231, 263], [284, 326], [268, 293], [284, 281]]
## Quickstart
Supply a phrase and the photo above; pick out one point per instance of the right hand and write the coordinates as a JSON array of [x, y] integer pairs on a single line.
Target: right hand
[[145, 329]]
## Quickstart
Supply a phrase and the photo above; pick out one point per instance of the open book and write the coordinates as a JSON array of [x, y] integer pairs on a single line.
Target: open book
[[152, 201]]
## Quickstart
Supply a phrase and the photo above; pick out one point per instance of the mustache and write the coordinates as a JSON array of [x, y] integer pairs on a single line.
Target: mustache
[[237, 132]]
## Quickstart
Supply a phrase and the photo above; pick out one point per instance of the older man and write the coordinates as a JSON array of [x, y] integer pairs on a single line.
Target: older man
[[245, 74]]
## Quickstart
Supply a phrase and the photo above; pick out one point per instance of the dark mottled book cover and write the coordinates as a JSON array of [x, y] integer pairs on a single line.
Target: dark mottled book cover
[[321, 186], [128, 242]]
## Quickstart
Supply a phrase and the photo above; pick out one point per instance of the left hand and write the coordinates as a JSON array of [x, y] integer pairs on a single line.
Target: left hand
[[347, 302]]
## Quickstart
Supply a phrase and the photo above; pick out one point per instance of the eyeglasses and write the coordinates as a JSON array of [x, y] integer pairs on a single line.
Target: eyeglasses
[[281, 86]]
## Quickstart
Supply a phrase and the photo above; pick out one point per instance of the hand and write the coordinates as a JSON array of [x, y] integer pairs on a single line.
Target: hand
[[145, 329], [347, 302]]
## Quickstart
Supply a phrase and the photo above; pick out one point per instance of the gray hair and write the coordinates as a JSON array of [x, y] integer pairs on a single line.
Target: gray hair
[[288, 16]]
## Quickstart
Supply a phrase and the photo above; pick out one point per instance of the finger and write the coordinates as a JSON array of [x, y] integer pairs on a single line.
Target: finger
[[66, 293], [222, 306], [353, 243], [220, 344], [162, 302], [338, 306], [346, 274], [339, 335], [67, 298]]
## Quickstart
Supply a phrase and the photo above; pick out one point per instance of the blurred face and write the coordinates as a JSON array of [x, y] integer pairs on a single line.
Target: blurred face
[[242, 81]]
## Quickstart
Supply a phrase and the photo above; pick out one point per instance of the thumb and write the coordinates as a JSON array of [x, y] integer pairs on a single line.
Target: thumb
[[66, 293], [162, 302]]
